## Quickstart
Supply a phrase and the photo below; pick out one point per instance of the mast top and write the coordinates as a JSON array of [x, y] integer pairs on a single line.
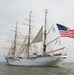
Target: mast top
[[46, 10]]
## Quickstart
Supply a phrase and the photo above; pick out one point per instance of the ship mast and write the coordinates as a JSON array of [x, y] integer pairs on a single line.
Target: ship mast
[[29, 32], [14, 48], [44, 49]]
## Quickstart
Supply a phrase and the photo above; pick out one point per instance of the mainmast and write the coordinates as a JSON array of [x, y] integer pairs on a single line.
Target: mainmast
[[29, 32], [15, 38], [44, 49]]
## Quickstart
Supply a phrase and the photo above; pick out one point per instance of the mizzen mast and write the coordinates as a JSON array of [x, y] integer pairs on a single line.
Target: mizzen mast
[[44, 49]]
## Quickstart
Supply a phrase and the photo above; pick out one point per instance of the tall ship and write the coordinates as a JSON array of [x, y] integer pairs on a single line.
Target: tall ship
[[25, 57]]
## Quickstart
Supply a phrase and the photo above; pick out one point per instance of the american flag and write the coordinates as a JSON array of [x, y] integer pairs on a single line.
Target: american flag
[[71, 32], [65, 31]]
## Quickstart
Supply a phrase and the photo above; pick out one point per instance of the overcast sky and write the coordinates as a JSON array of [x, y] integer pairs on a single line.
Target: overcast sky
[[60, 11]]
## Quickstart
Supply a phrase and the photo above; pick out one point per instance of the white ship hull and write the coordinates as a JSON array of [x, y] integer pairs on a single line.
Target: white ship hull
[[38, 61]]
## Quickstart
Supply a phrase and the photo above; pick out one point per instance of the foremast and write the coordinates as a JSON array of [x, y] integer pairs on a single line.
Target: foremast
[[15, 38], [44, 46]]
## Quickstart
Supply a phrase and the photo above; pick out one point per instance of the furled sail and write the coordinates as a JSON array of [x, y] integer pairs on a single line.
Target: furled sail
[[10, 51], [22, 48], [39, 36]]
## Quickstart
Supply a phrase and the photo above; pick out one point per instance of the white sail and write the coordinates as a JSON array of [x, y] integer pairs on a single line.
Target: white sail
[[39, 36]]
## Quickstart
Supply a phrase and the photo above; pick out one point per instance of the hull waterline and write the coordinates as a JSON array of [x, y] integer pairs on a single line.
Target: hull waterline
[[38, 61]]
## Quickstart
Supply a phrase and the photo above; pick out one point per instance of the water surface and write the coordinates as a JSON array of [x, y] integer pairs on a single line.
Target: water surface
[[65, 69]]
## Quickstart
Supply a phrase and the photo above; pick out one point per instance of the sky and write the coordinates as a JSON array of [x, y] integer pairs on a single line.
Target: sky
[[59, 11]]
